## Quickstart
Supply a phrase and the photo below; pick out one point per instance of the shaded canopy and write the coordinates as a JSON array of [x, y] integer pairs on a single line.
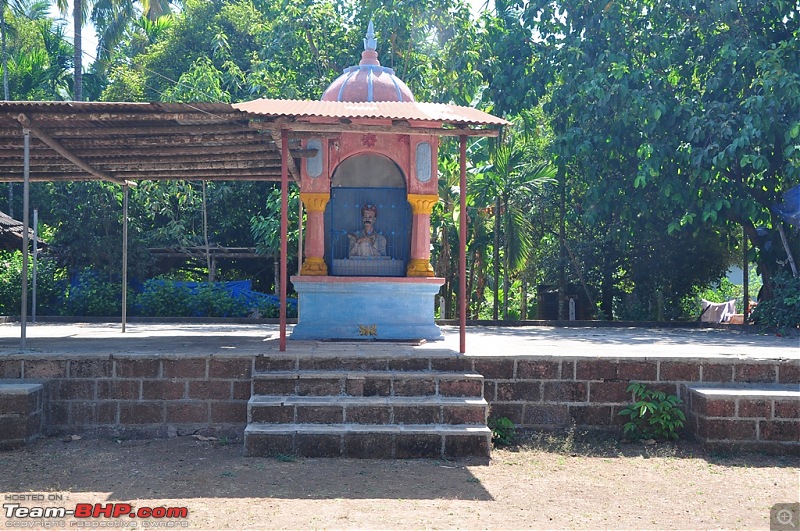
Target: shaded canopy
[[127, 142]]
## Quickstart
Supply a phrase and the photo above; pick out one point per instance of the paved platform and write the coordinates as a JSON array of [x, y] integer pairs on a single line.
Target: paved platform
[[176, 339]]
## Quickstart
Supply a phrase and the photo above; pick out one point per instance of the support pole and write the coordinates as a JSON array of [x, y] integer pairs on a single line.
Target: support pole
[[745, 277], [26, 174], [462, 249], [35, 258], [299, 236], [124, 257], [284, 230]]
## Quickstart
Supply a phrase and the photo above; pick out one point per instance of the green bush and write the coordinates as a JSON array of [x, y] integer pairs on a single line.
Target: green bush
[[654, 415], [164, 298], [215, 301], [89, 295], [167, 298], [48, 284], [503, 431], [782, 312]]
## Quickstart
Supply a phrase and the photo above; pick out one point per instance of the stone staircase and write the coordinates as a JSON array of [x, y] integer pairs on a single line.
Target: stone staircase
[[366, 409]]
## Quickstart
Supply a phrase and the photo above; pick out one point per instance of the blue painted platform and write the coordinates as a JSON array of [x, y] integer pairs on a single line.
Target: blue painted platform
[[366, 308]]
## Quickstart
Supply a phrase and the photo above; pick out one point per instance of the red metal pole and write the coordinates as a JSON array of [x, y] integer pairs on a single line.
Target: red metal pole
[[462, 249], [284, 229]]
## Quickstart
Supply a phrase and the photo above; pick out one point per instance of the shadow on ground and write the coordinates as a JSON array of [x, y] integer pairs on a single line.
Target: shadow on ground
[[186, 468]]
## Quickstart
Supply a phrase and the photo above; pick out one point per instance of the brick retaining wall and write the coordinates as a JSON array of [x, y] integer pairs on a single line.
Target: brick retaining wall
[[552, 392], [140, 397], [156, 397]]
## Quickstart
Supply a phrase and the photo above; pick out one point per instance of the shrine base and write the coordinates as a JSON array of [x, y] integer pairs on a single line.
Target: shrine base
[[366, 308]]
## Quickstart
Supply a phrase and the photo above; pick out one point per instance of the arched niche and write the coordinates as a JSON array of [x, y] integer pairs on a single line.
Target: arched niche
[[373, 179], [368, 170]]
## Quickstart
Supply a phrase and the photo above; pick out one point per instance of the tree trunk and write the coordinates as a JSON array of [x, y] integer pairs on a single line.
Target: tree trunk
[[276, 271], [607, 289], [505, 286], [562, 253], [481, 281], [523, 304], [496, 258], [4, 52], [77, 20], [507, 219], [764, 267]]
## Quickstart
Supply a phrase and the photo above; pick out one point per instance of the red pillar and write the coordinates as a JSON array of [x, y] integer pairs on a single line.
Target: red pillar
[[284, 230], [462, 249]]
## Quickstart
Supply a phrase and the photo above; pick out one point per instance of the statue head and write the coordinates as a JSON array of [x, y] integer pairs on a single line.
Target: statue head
[[369, 213]]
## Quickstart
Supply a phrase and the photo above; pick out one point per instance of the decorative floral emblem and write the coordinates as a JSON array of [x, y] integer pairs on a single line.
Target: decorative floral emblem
[[369, 140], [368, 330]]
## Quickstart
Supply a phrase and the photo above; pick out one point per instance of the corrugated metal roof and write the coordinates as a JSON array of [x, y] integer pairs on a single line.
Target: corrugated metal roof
[[113, 106], [390, 110], [124, 142]]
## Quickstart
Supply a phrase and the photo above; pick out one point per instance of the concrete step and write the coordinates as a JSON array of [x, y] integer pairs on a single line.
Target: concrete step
[[388, 441], [368, 383], [367, 410], [21, 414]]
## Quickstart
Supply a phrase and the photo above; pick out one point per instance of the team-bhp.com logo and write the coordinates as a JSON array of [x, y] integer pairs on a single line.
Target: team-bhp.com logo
[[163, 516]]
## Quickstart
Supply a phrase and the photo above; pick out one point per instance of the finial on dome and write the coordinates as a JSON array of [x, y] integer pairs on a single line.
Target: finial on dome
[[369, 42]]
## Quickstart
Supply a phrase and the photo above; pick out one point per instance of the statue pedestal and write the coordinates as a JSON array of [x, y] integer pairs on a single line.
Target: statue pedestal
[[393, 308]]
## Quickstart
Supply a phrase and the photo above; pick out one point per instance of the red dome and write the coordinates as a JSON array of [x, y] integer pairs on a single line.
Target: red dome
[[369, 81]]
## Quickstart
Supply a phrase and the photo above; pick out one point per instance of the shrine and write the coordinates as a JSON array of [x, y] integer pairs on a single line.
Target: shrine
[[366, 273]]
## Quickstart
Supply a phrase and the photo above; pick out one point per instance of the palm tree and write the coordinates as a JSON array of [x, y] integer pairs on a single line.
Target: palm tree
[[34, 10], [507, 187], [113, 18], [117, 14], [79, 9]]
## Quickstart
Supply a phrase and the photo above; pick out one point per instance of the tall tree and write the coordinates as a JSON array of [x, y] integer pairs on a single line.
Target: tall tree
[[508, 187], [692, 109]]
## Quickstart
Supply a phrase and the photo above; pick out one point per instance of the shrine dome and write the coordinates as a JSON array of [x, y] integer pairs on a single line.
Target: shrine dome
[[368, 81]]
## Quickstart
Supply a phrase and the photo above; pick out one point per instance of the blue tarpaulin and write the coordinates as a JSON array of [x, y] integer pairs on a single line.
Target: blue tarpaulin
[[239, 289], [789, 209]]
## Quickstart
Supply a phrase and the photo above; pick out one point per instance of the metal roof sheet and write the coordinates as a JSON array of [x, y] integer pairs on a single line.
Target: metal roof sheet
[[391, 110]]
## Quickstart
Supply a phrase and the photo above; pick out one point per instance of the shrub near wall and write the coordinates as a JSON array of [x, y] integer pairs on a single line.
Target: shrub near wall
[[49, 284]]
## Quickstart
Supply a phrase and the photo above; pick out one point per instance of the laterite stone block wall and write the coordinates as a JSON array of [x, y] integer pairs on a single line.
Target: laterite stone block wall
[[21, 414], [139, 397], [157, 397], [556, 392], [764, 419]]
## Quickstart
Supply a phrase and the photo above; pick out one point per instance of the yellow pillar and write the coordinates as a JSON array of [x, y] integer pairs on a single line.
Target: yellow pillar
[[421, 207], [314, 263]]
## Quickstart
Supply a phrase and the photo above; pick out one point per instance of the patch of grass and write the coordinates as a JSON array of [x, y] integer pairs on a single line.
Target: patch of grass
[[285, 458]]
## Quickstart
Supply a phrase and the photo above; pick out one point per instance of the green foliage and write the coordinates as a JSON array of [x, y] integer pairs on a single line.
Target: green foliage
[[168, 298], [670, 117], [89, 295], [653, 415], [49, 278], [215, 301], [503, 431], [782, 312], [164, 298]]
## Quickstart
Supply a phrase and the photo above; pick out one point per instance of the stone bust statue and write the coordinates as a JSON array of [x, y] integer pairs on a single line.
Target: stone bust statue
[[367, 242]]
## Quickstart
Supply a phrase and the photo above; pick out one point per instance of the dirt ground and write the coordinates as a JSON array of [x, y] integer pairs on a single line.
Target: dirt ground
[[555, 481]]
